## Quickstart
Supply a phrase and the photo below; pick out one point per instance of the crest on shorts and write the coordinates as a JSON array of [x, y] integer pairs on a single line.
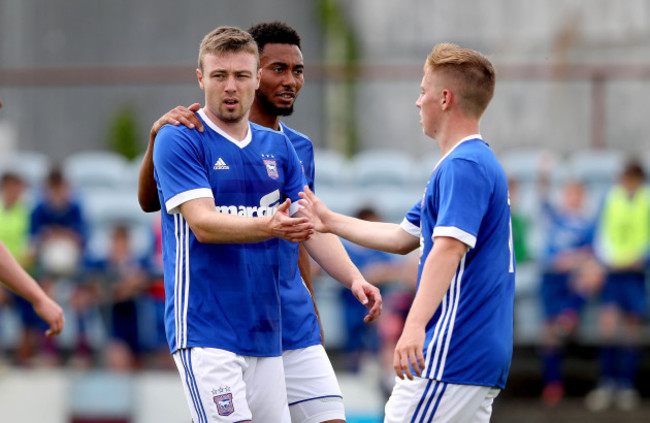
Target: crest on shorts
[[272, 169], [225, 407]]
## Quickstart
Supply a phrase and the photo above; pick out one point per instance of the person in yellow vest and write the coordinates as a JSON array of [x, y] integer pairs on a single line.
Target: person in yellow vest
[[14, 217], [623, 246]]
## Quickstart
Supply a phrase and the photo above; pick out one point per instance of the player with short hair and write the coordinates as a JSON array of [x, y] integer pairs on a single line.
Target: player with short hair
[[252, 178], [312, 389], [457, 338]]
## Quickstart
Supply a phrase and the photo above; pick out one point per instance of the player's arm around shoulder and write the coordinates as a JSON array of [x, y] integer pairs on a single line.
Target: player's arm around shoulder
[[147, 191]]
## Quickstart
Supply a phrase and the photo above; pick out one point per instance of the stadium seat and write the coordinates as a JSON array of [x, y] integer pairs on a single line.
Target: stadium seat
[[331, 168], [105, 208], [596, 167], [32, 166], [98, 169], [383, 167], [526, 165]]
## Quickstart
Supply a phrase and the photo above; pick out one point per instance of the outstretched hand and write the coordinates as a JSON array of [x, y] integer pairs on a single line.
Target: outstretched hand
[[180, 116], [52, 314], [315, 210], [369, 296], [294, 229]]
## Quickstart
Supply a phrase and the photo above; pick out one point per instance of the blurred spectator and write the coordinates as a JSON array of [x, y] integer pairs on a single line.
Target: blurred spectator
[[14, 217], [623, 244], [57, 239], [569, 277], [122, 280], [58, 229], [520, 224], [14, 225], [379, 268], [155, 340]]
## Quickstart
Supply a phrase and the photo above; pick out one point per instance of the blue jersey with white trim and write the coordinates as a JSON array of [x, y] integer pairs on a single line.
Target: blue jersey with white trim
[[300, 327], [469, 338], [223, 296]]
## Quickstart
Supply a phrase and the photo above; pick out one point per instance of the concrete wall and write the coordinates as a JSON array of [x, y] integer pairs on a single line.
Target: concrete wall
[[62, 115], [552, 109]]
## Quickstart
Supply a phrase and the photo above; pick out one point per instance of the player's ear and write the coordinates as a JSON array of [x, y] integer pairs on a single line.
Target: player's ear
[[446, 97], [199, 76], [259, 78]]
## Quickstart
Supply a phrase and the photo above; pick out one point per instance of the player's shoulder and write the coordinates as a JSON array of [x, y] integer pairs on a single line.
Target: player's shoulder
[[293, 134], [264, 131], [181, 133], [266, 135], [475, 152]]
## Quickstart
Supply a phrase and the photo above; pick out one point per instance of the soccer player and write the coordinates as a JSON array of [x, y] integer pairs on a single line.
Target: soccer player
[[454, 353], [14, 277], [312, 389], [247, 167]]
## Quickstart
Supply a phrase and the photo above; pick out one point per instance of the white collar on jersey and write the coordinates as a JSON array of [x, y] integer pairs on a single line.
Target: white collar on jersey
[[241, 144], [467, 138]]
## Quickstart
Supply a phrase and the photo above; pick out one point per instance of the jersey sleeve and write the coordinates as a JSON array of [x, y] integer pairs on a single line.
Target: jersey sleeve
[[411, 222], [179, 169], [463, 195], [309, 169]]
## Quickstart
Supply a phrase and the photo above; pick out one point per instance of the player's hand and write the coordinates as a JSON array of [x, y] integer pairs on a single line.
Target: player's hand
[[369, 296], [180, 116], [315, 209], [294, 229], [51, 313], [408, 352]]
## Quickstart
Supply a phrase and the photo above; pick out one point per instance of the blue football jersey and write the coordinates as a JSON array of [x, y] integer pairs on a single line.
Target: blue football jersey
[[223, 296], [300, 326], [469, 338]]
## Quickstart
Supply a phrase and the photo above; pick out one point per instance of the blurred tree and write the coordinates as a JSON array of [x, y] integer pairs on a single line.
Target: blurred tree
[[122, 133], [341, 50]]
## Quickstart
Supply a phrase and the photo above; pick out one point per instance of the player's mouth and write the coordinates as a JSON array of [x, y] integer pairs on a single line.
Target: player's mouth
[[231, 103], [287, 97]]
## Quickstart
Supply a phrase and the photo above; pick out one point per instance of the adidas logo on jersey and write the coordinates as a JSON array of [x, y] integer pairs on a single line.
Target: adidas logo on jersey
[[220, 164]]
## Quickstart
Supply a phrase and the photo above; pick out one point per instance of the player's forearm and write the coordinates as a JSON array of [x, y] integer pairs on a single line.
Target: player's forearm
[[14, 277], [220, 228], [304, 266], [331, 256], [438, 271], [388, 237], [147, 190]]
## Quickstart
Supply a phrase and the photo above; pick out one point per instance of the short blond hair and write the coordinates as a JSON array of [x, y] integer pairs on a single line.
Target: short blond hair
[[472, 74], [227, 39]]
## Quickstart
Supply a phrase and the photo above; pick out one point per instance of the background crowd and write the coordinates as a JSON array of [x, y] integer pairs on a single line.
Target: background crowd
[[586, 241]]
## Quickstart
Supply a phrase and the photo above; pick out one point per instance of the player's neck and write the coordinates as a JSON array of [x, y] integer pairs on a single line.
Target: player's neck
[[451, 134], [258, 116], [238, 130]]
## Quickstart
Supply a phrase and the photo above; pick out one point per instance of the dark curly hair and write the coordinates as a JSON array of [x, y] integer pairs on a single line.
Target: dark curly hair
[[274, 32]]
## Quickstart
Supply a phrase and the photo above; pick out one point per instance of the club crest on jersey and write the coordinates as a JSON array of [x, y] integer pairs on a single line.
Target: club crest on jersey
[[272, 169], [225, 407]]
